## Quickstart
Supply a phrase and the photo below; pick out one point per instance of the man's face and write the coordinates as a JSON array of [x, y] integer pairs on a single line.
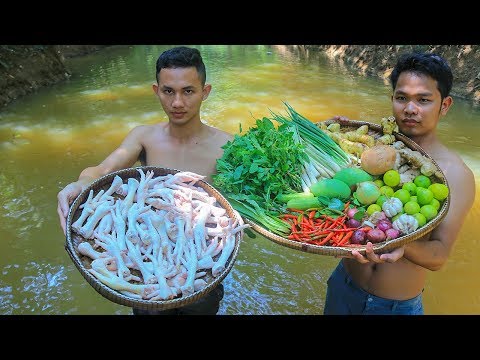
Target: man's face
[[417, 104], [181, 93]]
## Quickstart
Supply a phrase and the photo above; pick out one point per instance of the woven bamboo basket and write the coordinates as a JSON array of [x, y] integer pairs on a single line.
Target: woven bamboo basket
[[376, 131], [83, 262]]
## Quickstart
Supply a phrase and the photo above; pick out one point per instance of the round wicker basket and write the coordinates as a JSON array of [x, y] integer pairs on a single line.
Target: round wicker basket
[[83, 262], [376, 131]]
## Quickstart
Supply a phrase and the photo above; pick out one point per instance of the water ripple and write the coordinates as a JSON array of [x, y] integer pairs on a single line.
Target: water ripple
[[266, 282], [39, 290], [17, 208]]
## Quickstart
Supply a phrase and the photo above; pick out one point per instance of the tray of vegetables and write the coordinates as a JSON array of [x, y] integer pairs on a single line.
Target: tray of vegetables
[[330, 187]]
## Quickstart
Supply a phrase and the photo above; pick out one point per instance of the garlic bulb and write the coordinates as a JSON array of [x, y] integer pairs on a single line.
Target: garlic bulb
[[405, 224], [392, 207]]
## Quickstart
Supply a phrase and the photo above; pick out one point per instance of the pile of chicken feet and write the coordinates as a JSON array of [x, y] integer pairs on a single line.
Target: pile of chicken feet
[[168, 229]]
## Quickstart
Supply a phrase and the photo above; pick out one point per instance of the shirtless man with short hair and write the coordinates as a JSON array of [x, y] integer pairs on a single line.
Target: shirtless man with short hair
[[183, 143], [393, 283]]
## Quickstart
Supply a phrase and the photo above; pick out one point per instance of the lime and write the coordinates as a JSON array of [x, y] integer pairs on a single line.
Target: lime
[[422, 220], [435, 203], [391, 178], [424, 196], [422, 181], [381, 199], [372, 208], [379, 183], [428, 211], [413, 198], [410, 187], [440, 191], [403, 195], [411, 208], [386, 190]]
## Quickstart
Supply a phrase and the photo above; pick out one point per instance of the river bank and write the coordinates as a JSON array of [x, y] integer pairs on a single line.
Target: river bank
[[379, 60], [26, 68]]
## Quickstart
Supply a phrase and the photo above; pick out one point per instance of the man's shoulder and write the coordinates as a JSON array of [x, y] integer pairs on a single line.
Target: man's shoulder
[[464, 170], [457, 171], [220, 135], [226, 136], [457, 162], [141, 130]]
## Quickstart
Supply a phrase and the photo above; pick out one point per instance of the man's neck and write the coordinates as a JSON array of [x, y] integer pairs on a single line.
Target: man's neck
[[185, 132], [427, 142]]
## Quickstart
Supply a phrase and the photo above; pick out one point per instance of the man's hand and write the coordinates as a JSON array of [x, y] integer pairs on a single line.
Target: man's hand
[[65, 198], [390, 257]]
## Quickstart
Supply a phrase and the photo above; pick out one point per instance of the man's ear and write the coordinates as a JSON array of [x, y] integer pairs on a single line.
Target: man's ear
[[206, 91], [155, 88], [446, 103]]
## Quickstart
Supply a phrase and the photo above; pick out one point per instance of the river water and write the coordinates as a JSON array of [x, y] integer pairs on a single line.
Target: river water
[[47, 138]]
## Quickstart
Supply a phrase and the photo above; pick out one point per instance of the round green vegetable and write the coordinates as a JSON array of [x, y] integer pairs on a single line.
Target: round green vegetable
[[352, 176], [331, 188]]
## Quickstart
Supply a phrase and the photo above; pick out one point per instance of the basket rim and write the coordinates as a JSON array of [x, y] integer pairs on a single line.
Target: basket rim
[[378, 248], [115, 295]]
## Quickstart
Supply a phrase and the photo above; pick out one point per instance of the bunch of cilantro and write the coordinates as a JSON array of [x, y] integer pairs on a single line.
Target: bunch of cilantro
[[258, 165]]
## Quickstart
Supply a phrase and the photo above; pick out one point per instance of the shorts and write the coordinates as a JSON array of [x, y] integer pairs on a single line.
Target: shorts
[[207, 305], [344, 297]]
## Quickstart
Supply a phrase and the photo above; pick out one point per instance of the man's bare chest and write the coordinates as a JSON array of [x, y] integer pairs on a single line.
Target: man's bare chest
[[199, 159]]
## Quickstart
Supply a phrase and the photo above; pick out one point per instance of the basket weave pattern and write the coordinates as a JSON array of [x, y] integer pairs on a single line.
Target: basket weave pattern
[[376, 131], [83, 262]]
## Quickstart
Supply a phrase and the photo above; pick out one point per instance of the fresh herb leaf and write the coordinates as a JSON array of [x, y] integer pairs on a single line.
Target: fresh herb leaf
[[336, 204]]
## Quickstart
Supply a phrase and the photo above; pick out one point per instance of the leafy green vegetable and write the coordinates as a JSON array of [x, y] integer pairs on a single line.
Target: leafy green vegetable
[[266, 161], [257, 166], [359, 214], [261, 163], [324, 156], [336, 204], [251, 210]]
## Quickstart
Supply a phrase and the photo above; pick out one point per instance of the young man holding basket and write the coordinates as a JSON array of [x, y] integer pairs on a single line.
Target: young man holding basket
[[393, 283]]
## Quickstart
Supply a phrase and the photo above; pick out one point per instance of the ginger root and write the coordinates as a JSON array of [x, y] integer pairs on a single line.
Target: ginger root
[[351, 147], [361, 138], [399, 161], [334, 127], [322, 125], [426, 166], [386, 139], [389, 125], [409, 176], [398, 145], [355, 148], [362, 130]]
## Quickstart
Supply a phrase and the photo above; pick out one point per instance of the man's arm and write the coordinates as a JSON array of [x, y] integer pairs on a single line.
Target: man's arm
[[432, 250], [122, 157]]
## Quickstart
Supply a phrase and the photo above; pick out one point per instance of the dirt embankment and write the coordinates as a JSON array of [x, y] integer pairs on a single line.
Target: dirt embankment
[[379, 60], [25, 68]]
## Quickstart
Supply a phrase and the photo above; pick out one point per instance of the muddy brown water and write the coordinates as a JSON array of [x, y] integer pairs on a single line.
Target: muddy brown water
[[47, 138]]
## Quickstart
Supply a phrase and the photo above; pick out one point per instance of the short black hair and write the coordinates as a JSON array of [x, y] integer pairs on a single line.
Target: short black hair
[[427, 64], [182, 57]]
